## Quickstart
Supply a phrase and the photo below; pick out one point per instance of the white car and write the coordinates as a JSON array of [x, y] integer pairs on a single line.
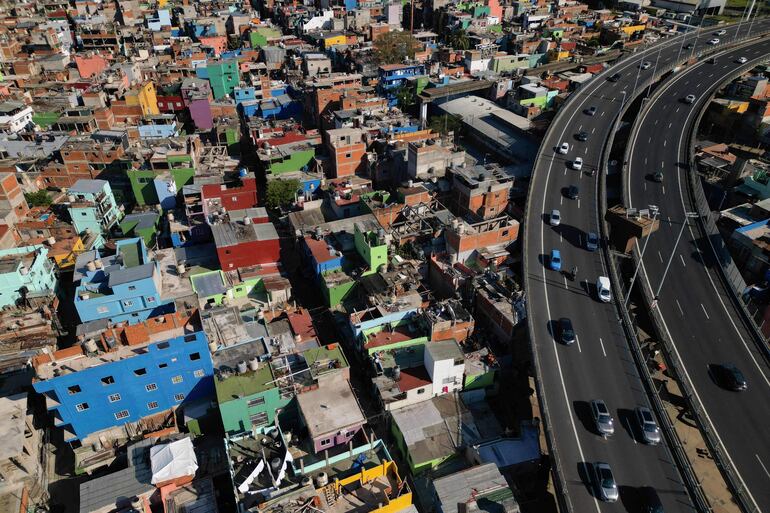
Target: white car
[[742, 60], [564, 148], [714, 41], [555, 218], [577, 164], [689, 99], [645, 65], [720, 32]]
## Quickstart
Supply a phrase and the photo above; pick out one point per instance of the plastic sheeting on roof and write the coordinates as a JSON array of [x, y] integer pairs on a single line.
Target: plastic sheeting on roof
[[173, 460]]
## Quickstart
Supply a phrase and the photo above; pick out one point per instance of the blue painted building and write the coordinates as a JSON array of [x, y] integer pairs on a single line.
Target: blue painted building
[[395, 76], [25, 272], [97, 391], [159, 126], [93, 209], [280, 107], [321, 255], [122, 287], [161, 21]]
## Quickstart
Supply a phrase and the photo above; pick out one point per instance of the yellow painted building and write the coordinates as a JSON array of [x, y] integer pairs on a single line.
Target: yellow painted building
[[64, 252], [631, 29], [393, 493], [334, 39], [146, 97]]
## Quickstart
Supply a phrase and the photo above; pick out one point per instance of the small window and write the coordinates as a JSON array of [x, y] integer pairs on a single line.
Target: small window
[[140, 372], [151, 387], [152, 405], [325, 442], [505, 233], [151, 299], [176, 380], [122, 414], [102, 309], [179, 397], [348, 155], [190, 338], [199, 373], [195, 356], [81, 407], [132, 287], [162, 365], [83, 214], [114, 398], [256, 402], [74, 389], [420, 390], [163, 345], [258, 419]]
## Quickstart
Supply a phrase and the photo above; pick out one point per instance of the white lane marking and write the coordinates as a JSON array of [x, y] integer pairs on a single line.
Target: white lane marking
[[631, 430], [662, 164], [649, 140], [586, 152], [664, 142], [593, 130], [577, 339], [711, 75], [680, 307], [677, 109], [578, 203], [561, 237], [561, 199], [645, 161], [663, 188], [602, 114], [661, 257], [602, 344], [763, 465], [687, 82], [705, 312], [565, 283], [656, 121], [682, 259], [645, 186], [669, 219], [580, 128], [669, 125]]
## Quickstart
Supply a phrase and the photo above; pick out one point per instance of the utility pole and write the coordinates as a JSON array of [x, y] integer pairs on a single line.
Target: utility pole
[[687, 215]]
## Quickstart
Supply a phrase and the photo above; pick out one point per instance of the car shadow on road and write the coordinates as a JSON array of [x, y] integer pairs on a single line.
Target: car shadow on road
[[571, 234], [630, 499], [583, 413], [585, 470], [626, 419]]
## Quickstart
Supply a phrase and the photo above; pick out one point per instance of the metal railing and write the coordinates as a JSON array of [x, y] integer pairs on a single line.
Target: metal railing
[[698, 197]]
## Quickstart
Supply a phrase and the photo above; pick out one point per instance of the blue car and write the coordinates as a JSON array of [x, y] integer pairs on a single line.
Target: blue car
[[592, 242], [555, 261]]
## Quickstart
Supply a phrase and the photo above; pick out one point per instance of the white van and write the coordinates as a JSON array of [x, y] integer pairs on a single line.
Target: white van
[[603, 289]]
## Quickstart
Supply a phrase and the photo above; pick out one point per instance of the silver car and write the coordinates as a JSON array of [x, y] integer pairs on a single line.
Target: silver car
[[650, 431], [606, 487], [603, 421]]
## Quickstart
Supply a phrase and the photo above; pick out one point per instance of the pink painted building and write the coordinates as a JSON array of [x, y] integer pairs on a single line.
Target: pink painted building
[[331, 413]]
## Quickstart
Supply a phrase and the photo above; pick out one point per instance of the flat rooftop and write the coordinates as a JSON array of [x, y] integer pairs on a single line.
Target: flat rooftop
[[13, 411], [231, 234], [330, 408]]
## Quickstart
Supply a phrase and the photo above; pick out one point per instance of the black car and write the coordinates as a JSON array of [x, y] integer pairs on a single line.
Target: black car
[[657, 176], [728, 376], [581, 136], [614, 78], [688, 46], [566, 332], [573, 192], [590, 111], [649, 502]]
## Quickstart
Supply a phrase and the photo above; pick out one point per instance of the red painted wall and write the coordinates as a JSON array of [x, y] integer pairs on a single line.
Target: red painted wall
[[249, 253], [234, 198]]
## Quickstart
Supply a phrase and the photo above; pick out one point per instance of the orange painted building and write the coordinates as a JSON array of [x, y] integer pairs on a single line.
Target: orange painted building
[[347, 149], [89, 66]]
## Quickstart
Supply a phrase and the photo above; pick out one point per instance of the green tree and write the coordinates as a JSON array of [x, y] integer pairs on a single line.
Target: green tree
[[446, 123], [38, 199], [405, 97], [281, 192], [395, 47], [459, 40]]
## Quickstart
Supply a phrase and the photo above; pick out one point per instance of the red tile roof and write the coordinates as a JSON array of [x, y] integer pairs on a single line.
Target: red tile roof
[[414, 377]]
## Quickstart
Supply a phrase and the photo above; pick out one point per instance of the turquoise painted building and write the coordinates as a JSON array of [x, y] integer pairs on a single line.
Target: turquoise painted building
[[25, 272], [93, 209]]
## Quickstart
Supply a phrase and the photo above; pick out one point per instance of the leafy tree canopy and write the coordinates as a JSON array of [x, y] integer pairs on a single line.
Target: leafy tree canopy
[[281, 192], [38, 199], [395, 47]]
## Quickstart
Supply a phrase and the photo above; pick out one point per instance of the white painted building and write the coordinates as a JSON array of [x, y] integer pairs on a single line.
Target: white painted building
[[14, 116], [445, 364]]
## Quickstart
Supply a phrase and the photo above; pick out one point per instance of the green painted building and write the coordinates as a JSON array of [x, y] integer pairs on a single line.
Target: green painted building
[[224, 77], [250, 401], [214, 288], [371, 245], [141, 224], [258, 36], [144, 182]]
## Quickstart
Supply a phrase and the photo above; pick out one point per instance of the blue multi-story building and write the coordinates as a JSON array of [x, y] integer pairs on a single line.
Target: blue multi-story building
[[395, 76], [159, 126], [91, 392], [93, 209], [122, 287], [25, 272]]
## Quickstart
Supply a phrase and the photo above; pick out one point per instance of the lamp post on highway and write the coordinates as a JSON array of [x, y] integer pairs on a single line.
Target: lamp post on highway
[[654, 210], [687, 215]]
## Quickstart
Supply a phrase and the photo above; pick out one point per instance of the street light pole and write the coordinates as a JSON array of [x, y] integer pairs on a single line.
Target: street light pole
[[654, 210], [687, 215]]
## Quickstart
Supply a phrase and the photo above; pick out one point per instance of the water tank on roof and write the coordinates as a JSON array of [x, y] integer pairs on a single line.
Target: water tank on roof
[[180, 268], [275, 464], [90, 345], [98, 263], [242, 172], [71, 198], [322, 479], [91, 266], [247, 220], [242, 367], [396, 373], [170, 216], [51, 241], [254, 363]]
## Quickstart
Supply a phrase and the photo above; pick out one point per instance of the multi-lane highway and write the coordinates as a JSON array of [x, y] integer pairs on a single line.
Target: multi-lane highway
[[701, 322], [599, 365]]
